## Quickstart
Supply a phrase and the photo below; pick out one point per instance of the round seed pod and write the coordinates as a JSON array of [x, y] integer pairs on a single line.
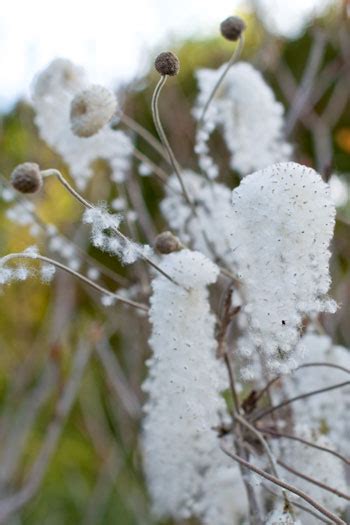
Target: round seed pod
[[232, 28], [167, 64], [166, 243], [27, 178]]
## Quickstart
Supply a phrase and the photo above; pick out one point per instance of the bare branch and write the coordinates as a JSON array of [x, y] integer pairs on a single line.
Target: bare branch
[[287, 486]]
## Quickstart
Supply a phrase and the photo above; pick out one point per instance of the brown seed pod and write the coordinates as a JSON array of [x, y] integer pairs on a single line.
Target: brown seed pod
[[167, 64], [166, 243], [27, 178], [232, 28]]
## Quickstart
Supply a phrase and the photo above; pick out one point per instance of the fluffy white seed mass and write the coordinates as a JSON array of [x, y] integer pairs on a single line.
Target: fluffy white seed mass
[[214, 216], [283, 224], [53, 92], [91, 109], [186, 470], [246, 110]]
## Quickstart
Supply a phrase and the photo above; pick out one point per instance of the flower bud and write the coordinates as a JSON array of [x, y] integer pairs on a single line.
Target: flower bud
[[167, 64], [27, 178], [91, 109], [232, 28], [166, 243]]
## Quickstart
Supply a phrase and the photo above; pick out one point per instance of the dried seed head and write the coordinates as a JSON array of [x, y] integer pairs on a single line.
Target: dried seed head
[[91, 109], [27, 178], [167, 64], [166, 243], [232, 28]]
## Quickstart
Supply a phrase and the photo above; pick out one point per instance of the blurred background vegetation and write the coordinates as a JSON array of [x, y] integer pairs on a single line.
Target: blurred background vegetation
[[94, 474]]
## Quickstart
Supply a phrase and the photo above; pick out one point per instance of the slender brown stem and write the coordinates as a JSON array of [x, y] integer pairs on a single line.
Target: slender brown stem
[[57, 264], [119, 234], [298, 505], [297, 398], [314, 481], [285, 485], [145, 134], [321, 363], [158, 172], [234, 57], [164, 140], [305, 442]]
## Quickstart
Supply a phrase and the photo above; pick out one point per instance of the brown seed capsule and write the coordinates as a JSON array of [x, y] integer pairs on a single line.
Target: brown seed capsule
[[166, 243], [27, 178], [232, 28], [167, 64]]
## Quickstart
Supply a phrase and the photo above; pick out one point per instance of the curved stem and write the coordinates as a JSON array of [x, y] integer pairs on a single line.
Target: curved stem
[[314, 481], [297, 398], [88, 205], [145, 134], [285, 485], [164, 140], [322, 363], [78, 275], [232, 60], [305, 442], [272, 460]]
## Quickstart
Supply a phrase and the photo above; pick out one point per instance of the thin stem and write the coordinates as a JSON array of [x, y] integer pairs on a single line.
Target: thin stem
[[297, 398], [20, 199], [234, 57], [321, 363], [164, 140], [158, 172], [145, 134], [78, 275], [266, 388], [314, 481], [305, 442], [298, 505], [65, 183], [88, 205], [285, 485]]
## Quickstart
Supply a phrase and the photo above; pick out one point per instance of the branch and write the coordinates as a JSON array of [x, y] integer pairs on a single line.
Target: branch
[[314, 481], [286, 486], [305, 442], [78, 275], [297, 398]]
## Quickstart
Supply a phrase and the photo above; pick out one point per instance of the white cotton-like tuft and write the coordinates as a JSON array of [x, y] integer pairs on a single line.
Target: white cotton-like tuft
[[6, 275], [246, 110], [47, 272], [103, 235], [283, 224], [53, 91], [214, 216], [186, 471]]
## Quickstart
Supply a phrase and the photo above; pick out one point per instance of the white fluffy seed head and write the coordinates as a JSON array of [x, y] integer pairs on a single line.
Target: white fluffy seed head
[[246, 111], [187, 473], [91, 109], [53, 91], [283, 224]]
